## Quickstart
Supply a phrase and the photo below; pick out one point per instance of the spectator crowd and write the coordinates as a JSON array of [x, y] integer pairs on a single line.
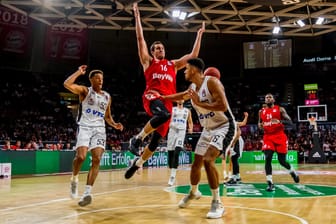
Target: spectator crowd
[[35, 116]]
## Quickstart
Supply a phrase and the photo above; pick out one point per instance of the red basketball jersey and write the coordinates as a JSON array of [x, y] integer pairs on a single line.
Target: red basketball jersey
[[267, 114], [161, 76]]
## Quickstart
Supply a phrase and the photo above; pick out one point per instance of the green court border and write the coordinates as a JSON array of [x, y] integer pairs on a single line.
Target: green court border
[[258, 190]]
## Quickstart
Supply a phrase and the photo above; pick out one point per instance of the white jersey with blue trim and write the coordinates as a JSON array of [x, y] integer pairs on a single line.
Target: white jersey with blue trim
[[179, 118], [93, 108], [210, 119]]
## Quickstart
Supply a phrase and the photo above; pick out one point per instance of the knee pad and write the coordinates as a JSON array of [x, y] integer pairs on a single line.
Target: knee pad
[[159, 118], [154, 142], [160, 113]]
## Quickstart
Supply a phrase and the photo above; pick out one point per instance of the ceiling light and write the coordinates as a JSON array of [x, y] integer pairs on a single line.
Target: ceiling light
[[183, 15], [176, 13], [319, 20], [275, 19], [300, 23], [276, 30], [192, 14]]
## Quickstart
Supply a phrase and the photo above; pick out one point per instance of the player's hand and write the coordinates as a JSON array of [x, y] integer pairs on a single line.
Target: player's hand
[[119, 126], [193, 96], [152, 95], [135, 9], [246, 114], [260, 125], [202, 29], [82, 69], [275, 121]]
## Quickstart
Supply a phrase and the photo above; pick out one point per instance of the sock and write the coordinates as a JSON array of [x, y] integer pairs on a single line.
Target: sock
[[140, 162], [74, 178], [269, 178], [230, 174], [234, 177], [215, 194], [173, 172], [194, 188], [238, 175], [291, 170], [225, 174], [87, 189], [142, 134]]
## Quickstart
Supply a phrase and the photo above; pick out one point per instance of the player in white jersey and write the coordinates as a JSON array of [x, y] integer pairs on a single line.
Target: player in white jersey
[[219, 128], [94, 111], [180, 119]]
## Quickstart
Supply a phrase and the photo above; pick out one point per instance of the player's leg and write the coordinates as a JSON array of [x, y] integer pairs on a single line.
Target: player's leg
[[268, 169], [282, 149], [195, 177], [147, 153], [284, 163], [97, 148], [217, 209], [82, 146], [174, 165], [160, 115], [96, 154]]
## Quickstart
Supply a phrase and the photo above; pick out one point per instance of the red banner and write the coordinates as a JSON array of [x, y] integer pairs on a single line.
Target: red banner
[[15, 31], [66, 43]]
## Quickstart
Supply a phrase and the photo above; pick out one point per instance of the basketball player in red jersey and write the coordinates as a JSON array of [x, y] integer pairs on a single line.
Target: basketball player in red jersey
[[272, 119], [160, 76]]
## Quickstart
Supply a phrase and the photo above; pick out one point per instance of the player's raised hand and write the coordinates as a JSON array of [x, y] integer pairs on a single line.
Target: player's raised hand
[[135, 9], [202, 29], [82, 69]]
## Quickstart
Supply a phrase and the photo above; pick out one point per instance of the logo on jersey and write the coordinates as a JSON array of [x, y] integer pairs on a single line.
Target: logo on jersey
[[206, 116], [90, 101], [102, 105], [94, 113], [176, 120], [162, 77]]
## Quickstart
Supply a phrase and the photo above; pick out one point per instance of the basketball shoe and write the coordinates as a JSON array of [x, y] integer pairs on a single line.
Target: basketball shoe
[[171, 181], [295, 176], [216, 211], [186, 200], [134, 145], [270, 186], [85, 200], [74, 189], [132, 169]]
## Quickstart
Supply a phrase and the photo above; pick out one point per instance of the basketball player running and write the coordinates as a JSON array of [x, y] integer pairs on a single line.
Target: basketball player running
[[181, 117], [160, 75], [272, 119], [208, 97], [91, 135]]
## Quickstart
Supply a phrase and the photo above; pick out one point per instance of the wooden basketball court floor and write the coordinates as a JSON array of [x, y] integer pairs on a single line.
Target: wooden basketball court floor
[[146, 198]]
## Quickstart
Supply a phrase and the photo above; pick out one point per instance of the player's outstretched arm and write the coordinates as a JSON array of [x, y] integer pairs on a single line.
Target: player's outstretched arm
[[70, 84], [181, 63], [144, 55]]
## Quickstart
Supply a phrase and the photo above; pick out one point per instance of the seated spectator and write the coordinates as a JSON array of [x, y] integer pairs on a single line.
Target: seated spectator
[[7, 146]]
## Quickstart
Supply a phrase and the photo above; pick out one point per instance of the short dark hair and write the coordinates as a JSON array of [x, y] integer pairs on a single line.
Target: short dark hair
[[94, 72], [197, 62], [152, 47]]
